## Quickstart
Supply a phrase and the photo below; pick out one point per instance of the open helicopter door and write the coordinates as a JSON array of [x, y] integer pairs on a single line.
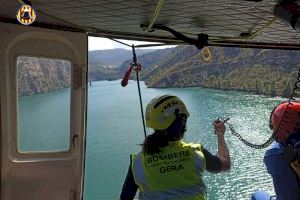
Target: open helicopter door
[[30, 169]]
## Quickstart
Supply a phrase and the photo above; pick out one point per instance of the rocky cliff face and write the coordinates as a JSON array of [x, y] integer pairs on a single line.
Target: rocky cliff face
[[40, 75]]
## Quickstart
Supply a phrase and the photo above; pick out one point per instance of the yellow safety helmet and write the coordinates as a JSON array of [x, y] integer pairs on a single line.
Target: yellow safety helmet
[[161, 111]]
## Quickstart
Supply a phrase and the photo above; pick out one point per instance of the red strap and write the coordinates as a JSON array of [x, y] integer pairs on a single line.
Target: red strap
[[126, 77]]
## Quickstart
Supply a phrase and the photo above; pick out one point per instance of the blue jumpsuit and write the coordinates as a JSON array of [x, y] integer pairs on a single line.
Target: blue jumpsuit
[[284, 178]]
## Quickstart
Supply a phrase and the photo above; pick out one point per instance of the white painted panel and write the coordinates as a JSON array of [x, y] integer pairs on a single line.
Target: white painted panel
[[41, 175]]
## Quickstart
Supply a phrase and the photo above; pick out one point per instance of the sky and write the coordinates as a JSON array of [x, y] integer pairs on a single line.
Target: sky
[[97, 43]]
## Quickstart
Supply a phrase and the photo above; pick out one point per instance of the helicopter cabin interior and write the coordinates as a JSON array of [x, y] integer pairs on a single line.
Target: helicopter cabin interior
[[60, 31]]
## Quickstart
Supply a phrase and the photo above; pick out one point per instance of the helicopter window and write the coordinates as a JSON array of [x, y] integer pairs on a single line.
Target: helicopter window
[[43, 104]]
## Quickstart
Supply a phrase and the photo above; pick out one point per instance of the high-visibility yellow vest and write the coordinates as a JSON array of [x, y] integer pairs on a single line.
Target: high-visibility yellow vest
[[174, 173]]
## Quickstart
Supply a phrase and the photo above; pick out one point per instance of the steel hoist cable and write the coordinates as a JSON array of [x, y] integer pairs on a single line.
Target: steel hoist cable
[[282, 122], [137, 68]]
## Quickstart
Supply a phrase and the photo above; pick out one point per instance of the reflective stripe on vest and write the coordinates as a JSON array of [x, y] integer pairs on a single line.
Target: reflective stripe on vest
[[175, 173]]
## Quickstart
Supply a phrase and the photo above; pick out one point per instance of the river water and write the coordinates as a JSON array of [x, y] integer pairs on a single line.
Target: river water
[[115, 130]]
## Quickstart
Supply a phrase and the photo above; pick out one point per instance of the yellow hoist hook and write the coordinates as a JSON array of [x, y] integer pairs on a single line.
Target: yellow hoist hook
[[206, 54]]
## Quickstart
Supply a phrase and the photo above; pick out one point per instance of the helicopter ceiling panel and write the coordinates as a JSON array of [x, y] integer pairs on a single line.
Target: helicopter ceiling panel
[[224, 21]]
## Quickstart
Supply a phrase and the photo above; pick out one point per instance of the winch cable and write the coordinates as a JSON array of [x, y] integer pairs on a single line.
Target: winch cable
[[282, 122], [137, 69]]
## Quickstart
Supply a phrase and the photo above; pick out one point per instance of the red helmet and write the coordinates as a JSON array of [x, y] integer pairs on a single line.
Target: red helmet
[[285, 122]]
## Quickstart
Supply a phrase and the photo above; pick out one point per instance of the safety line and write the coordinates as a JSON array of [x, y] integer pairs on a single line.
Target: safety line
[[135, 65], [156, 13], [256, 33], [248, 37]]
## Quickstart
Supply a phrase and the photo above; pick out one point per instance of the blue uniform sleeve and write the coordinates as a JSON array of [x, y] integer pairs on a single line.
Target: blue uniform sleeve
[[129, 187], [284, 180]]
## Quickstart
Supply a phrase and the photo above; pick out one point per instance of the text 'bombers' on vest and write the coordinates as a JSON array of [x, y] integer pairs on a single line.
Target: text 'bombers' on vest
[[168, 156]]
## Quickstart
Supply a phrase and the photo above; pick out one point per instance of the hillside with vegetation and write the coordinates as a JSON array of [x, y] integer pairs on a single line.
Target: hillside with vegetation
[[259, 71]]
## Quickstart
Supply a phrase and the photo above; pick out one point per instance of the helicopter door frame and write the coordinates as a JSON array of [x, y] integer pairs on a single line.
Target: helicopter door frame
[[42, 175], [0, 145]]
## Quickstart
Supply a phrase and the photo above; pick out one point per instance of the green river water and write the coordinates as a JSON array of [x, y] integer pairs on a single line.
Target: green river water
[[115, 130]]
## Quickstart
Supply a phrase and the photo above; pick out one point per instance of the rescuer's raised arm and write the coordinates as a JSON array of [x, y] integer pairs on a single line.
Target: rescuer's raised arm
[[223, 152]]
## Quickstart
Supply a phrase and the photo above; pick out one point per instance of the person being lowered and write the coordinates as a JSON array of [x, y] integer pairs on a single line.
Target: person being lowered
[[283, 159], [167, 167]]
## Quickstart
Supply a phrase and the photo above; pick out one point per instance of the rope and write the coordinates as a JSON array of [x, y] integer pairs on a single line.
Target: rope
[[156, 13], [135, 67], [256, 33]]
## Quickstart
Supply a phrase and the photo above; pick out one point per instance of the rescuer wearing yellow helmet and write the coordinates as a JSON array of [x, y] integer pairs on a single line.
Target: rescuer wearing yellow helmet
[[168, 168]]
